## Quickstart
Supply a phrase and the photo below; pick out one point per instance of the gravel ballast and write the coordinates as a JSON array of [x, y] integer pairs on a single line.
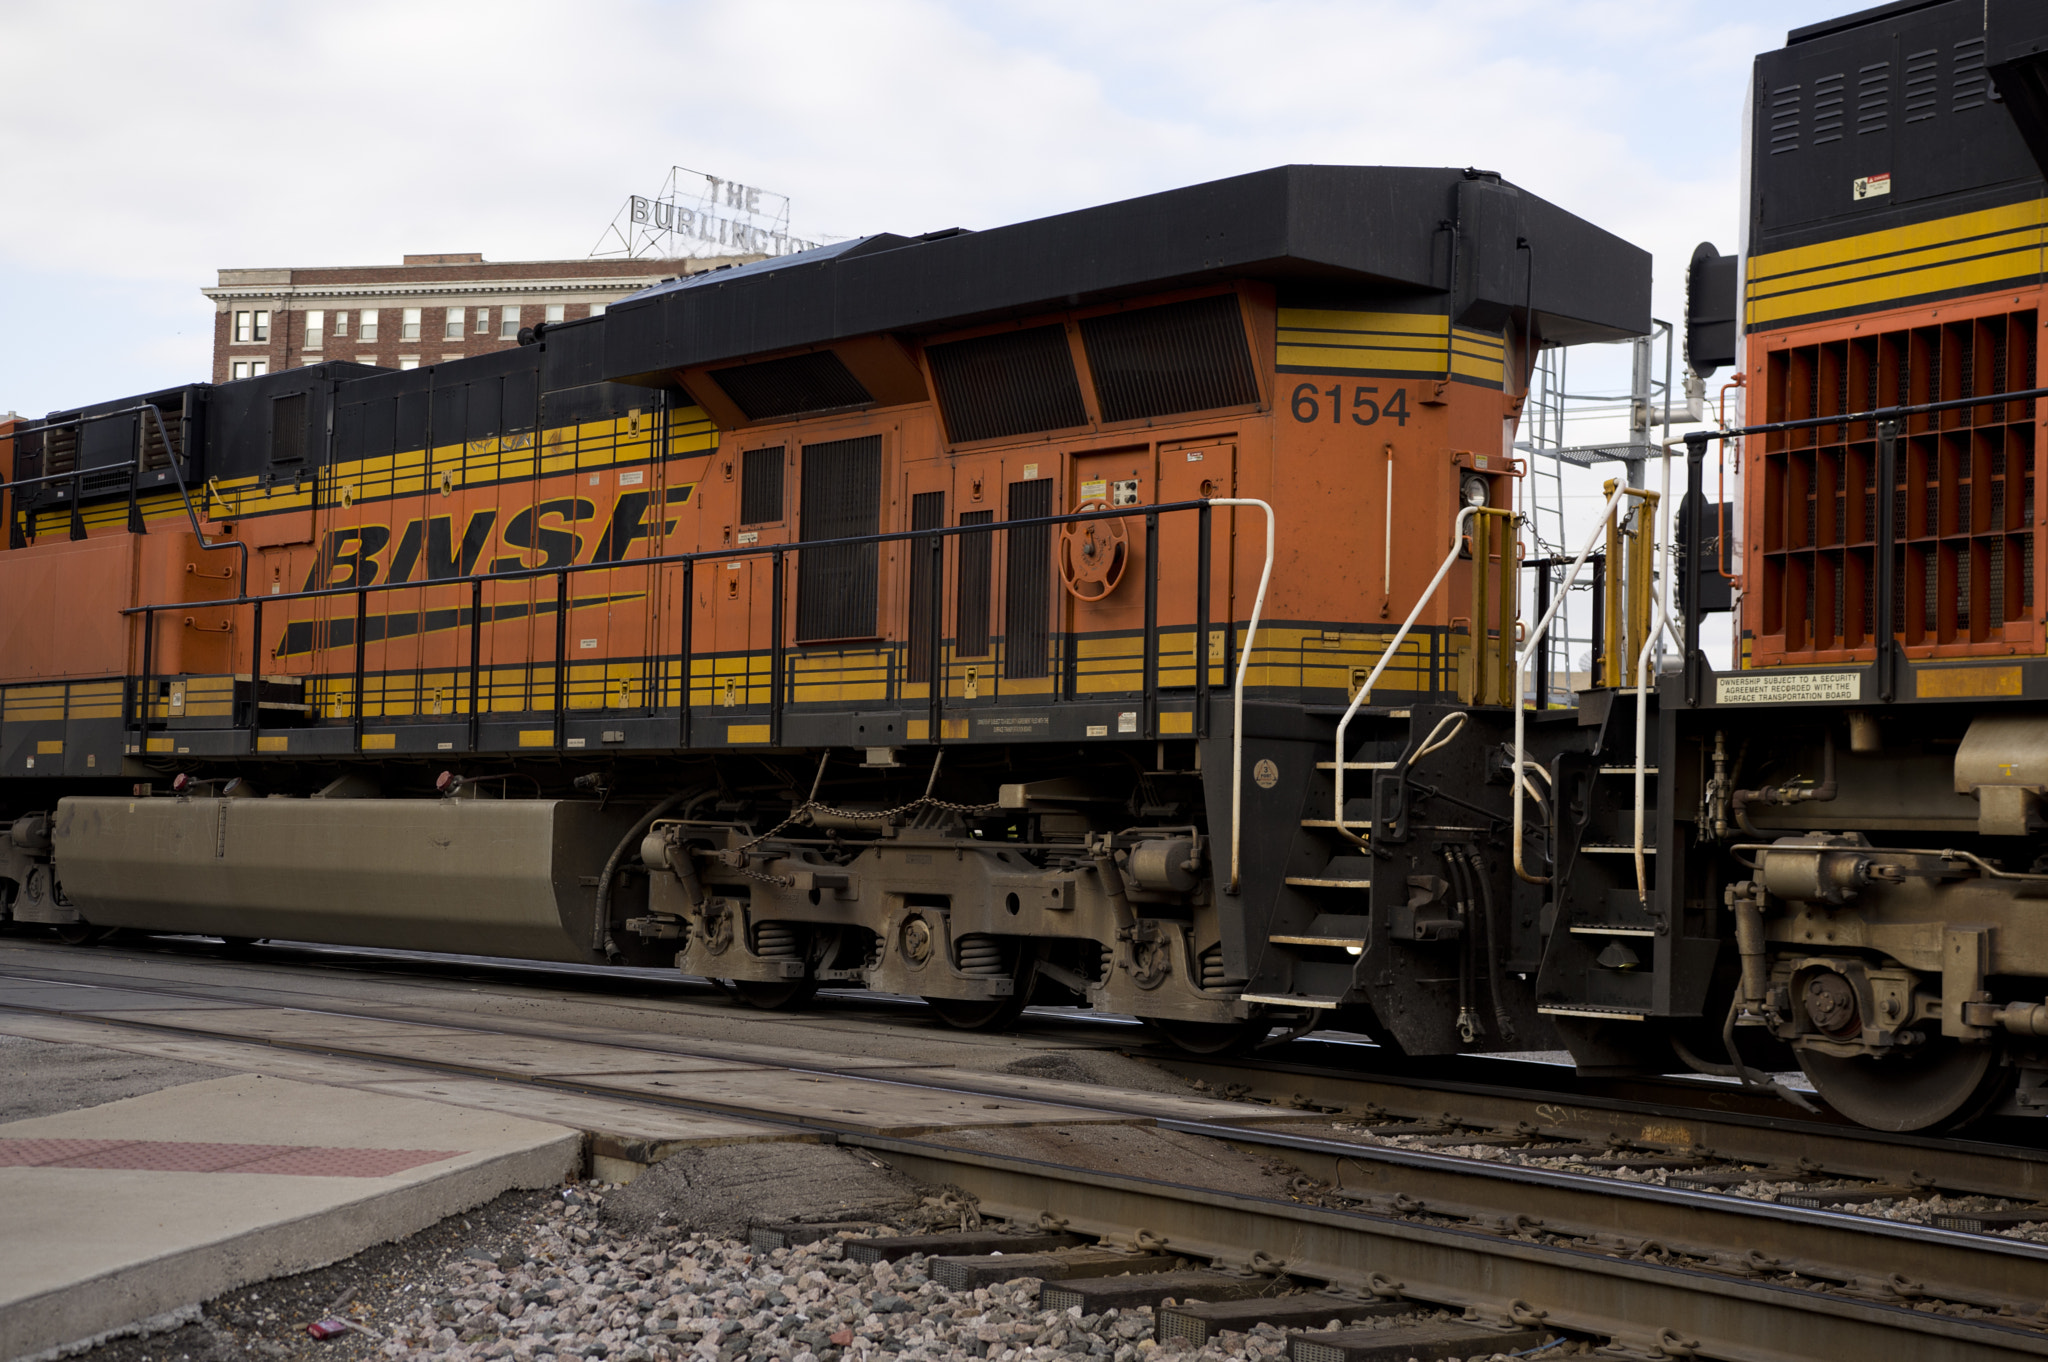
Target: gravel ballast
[[545, 1277]]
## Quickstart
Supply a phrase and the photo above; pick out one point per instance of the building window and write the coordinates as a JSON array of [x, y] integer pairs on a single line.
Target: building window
[[409, 325], [251, 327], [508, 327], [451, 325], [369, 321], [263, 326], [557, 312], [242, 334], [316, 329], [249, 368], [483, 321], [597, 309], [341, 323], [408, 361]]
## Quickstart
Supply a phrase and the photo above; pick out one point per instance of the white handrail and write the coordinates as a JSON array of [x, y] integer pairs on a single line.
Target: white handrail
[[1457, 547], [1244, 661], [1529, 650]]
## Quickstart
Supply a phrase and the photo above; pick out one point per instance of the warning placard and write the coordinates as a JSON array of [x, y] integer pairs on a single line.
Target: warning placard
[[1787, 688]]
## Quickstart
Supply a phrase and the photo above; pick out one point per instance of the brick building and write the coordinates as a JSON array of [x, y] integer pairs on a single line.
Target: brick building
[[430, 309]]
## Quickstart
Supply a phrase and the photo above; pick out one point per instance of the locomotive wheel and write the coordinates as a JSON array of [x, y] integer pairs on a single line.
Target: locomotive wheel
[[1939, 1085], [78, 934], [1209, 1038], [780, 995], [980, 1014]]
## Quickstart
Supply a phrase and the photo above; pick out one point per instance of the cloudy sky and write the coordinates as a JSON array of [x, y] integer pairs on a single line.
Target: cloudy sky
[[146, 145]]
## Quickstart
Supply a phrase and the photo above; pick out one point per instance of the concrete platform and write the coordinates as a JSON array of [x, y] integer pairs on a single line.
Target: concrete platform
[[114, 1213]]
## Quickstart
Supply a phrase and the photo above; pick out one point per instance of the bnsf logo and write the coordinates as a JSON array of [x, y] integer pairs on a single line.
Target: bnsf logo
[[544, 535]]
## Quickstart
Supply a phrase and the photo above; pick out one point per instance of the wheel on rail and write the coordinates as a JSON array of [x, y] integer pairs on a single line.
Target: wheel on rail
[[1940, 1084], [1209, 1038], [79, 934], [991, 956], [778, 995], [980, 1014]]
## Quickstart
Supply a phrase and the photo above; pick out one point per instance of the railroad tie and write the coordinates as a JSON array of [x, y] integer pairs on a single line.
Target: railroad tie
[[1199, 1321], [1147, 1290], [1427, 1342], [966, 1272]]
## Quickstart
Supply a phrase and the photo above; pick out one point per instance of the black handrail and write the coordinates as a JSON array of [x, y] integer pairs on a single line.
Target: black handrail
[[1877, 414], [779, 647]]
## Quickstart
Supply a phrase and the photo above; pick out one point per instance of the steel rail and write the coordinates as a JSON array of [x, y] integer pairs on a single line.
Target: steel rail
[[1717, 1314], [1720, 1122], [1677, 1115], [1977, 1269]]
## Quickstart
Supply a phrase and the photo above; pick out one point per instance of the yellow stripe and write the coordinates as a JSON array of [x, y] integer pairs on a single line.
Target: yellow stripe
[[1325, 319], [536, 737], [1867, 245], [1360, 357], [1873, 268], [739, 733]]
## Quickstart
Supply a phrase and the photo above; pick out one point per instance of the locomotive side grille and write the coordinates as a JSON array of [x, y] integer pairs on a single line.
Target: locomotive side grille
[[1160, 361], [796, 386], [976, 556], [1011, 383], [154, 452], [842, 498], [927, 512], [1027, 604], [1960, 508], [287, 428], [761, 486], [60, 449]]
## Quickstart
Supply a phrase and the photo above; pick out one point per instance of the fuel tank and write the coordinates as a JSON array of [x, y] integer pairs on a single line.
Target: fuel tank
[[502, 877]]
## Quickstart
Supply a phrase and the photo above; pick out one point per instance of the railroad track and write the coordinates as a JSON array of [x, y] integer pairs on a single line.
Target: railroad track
[[1698, 1134], [1640, 1268]]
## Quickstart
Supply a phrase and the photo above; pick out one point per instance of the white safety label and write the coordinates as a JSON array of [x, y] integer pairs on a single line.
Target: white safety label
[[1787, 688]]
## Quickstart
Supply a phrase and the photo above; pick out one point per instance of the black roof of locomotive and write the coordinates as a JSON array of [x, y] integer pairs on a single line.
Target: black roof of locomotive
[[1380, 227]]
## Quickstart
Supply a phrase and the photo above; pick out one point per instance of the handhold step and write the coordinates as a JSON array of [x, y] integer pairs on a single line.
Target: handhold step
[[1346, 942], [1358, 765], [1290, 1000], [1322, 882], [1362, 823], [1592, 1010], [1624, 849]]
